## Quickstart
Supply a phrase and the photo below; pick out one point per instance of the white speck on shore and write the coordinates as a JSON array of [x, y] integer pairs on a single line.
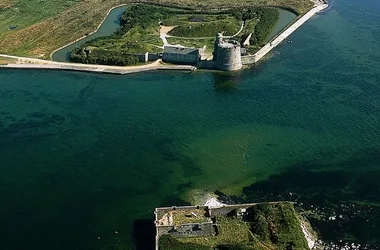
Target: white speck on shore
[[213, 202], [310, 239]]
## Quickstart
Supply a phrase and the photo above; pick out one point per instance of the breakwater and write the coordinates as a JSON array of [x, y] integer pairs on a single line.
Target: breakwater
[[281, 37]]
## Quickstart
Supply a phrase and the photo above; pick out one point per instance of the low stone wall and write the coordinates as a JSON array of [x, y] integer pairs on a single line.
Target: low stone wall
[[206, 64], [246, 60], [146, 57], [153, 57]]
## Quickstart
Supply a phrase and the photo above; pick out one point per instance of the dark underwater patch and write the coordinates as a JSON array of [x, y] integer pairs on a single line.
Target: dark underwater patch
[[182, 187], [344, 201], [37, 126], [172, 200], [144, 232], [225, 81]]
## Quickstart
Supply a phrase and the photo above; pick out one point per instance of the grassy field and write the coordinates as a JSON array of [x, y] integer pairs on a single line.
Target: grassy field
[[43, 26], [136, 40], [194, 43], [4, 60], [208, 29], [193, 18]]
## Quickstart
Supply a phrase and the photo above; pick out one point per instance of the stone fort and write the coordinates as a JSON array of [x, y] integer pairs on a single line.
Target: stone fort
[[226, 56]]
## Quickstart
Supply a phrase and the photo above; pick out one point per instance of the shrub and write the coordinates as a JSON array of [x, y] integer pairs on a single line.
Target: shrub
[[105, 57]]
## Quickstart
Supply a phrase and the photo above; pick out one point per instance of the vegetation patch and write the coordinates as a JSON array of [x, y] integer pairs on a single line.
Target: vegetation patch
[[5, 60], [107, 57], [259, 21], [228, 27], [168, 242], [196, 19], [194, 43], [140, 31]]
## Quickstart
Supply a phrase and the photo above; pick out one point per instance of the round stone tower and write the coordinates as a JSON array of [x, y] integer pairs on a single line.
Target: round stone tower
[[218, 40], [228, 56]]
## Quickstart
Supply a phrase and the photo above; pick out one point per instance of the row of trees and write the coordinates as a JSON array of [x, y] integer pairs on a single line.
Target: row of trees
[[105, 57], [277, 225], [141, 15], [268, 19]]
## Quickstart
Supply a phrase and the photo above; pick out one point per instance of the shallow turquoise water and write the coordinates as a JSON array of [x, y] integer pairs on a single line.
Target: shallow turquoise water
[[85, 155]]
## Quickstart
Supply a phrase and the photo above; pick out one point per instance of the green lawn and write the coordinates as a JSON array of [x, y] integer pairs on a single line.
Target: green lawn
[[229, 26], [24, 13], [195, 43]]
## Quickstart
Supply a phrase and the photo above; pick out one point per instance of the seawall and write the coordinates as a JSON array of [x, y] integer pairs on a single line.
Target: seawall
[[269, 46], [31, 63]]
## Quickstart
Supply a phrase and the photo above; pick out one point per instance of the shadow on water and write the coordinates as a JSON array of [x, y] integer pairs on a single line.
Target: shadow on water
[[323, 183], [144, 230], [144, 234], [338, 190], [169, 201], [225, 82]]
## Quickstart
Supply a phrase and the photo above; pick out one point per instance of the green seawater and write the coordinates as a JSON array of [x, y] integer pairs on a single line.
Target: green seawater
[[85, 158]]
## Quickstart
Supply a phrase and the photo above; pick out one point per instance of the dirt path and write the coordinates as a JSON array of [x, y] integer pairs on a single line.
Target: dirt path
[[164, 30]]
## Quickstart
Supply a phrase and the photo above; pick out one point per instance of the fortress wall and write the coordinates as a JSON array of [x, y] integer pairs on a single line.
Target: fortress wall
[[228, 59], [268, 47], [246, 60], [153, 56]]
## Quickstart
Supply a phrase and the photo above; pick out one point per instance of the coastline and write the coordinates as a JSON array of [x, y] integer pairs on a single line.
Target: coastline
[[32, 63]]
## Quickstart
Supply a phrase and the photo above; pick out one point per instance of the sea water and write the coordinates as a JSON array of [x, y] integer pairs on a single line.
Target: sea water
[[85, 158]]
